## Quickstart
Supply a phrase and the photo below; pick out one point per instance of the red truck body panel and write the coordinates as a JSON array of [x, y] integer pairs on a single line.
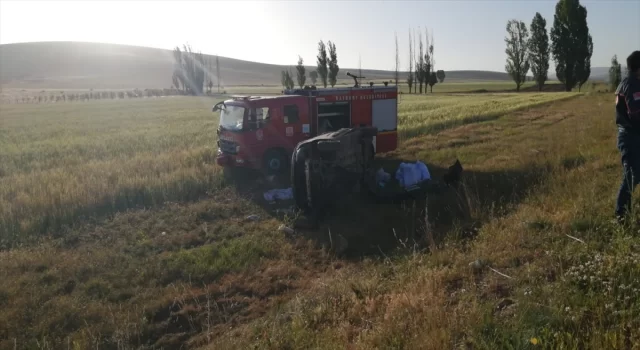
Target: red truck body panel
[[298, 115]]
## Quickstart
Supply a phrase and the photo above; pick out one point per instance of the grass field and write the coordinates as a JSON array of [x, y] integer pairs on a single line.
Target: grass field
[[117, 230], [63, 161], [419, 116]]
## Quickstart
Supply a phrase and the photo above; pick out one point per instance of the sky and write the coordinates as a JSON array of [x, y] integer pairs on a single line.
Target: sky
[[468, 35]]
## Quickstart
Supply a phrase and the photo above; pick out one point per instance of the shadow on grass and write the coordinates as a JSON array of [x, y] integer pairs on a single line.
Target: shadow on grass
[[378, 226]]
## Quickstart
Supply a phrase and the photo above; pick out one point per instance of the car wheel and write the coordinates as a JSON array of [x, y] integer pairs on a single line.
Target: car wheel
[[275, 162]]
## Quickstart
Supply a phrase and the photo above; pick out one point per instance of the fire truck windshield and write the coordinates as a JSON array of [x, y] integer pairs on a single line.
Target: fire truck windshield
[[231, 117]]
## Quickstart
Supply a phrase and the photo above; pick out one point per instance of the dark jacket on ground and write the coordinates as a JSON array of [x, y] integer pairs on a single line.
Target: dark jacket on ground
[[628, 104]]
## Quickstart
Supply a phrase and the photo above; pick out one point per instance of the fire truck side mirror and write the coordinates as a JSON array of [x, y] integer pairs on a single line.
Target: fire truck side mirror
[[217, 106]]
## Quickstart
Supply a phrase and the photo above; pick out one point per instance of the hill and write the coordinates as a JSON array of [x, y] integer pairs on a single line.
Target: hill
[[80, 65]]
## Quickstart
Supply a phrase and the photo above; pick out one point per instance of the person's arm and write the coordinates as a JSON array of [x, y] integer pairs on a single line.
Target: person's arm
[[631, 95]]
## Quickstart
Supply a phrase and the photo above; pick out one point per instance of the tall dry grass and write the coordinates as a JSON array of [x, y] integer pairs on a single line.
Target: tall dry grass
[[62, 162]]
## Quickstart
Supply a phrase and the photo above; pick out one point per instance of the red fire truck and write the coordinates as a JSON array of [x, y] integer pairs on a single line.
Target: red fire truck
[[261, 132]]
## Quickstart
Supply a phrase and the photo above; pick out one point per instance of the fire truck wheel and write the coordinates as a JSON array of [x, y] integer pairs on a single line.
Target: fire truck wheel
[[275, 161]]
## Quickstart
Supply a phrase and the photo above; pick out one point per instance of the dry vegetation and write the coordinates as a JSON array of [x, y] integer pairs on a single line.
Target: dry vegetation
[[420, 116], [118, 230], [65, 161]]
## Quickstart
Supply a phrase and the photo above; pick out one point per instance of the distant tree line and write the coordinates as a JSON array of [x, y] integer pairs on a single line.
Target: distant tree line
[[421, 72], [571, 47], [327, 69], [422, 64], [188, 71], [94, 95], [192, 71]]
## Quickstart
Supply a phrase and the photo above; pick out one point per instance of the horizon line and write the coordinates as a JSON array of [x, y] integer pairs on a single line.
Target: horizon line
[[233, 58]]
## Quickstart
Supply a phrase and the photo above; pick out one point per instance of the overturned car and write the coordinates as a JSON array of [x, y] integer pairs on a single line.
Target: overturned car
[[329, 165], [326, 167]]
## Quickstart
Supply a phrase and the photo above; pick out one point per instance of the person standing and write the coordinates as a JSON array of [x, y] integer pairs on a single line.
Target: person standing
[[628, 122]]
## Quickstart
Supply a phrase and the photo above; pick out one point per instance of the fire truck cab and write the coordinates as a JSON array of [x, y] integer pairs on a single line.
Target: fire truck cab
[[261, 132]]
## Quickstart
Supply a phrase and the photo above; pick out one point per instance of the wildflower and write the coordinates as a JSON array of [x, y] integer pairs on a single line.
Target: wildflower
[[534, 341]]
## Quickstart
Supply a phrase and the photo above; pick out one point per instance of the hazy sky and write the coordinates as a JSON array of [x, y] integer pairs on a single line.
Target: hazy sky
[[467, 34]]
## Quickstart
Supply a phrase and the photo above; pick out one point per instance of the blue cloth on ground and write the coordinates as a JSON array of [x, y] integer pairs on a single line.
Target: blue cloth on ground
[[281, 194], [409, 174]]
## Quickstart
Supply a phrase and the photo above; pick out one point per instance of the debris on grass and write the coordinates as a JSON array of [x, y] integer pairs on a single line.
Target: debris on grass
[[252, 217], [286, 229]]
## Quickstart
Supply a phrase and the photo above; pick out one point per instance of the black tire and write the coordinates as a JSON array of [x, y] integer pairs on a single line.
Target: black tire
[[275, 162]]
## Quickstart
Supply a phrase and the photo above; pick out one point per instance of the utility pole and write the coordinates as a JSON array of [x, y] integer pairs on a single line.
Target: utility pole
[[360, 68]]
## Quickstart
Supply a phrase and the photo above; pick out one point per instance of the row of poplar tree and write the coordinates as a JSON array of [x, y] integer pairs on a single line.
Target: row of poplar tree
[[191, 69], [422, 63], [421, 66], [571, 47], [327, 69]]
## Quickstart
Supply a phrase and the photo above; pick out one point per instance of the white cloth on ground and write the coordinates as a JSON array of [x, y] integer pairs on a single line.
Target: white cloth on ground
[[409, 174]]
